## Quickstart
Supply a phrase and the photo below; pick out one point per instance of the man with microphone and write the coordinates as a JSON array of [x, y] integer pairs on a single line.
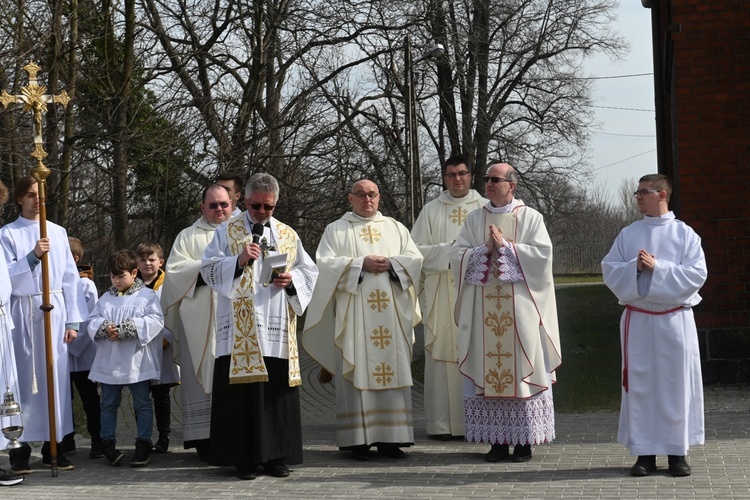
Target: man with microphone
[[255, 413]]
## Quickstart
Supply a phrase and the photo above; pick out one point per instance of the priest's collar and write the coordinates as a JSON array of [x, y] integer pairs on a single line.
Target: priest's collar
[[252, 222], [505, 208], [353, 216]]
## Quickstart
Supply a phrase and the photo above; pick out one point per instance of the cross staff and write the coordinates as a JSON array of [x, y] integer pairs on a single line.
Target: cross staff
[[34, 99]]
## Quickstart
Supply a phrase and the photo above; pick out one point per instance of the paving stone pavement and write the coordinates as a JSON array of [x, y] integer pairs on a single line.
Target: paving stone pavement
[[584, 461]]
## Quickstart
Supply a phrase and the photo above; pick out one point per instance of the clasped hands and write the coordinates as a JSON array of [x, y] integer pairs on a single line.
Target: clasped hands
[[495, 239], [376, 264], [645, 261]]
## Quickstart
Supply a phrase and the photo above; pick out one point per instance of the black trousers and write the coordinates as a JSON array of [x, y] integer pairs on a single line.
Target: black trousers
[[258, 423], [162, 408], [89, 393]]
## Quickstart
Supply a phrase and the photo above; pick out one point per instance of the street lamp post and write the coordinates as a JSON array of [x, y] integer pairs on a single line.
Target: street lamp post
[[414, 172]]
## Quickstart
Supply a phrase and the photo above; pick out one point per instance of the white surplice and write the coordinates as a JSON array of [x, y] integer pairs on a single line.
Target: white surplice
[[434, 231], [662, 410], [271, 302], [8, 373], [82, 350], [69, 306], [128, 360], [190, 313], [360, 327]]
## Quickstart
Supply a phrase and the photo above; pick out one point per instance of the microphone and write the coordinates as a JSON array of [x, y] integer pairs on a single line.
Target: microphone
[[257, 232]]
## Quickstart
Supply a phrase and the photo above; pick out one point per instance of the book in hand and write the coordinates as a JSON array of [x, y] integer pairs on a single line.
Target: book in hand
[[273, 265]]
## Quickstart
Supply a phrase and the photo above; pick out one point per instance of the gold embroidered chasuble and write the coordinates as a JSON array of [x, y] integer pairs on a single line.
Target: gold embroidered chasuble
[[508, 332], [247, 364], [371, 321], [434, 231]]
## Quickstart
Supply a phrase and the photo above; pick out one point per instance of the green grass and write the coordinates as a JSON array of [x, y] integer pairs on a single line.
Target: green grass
[[589, 378]]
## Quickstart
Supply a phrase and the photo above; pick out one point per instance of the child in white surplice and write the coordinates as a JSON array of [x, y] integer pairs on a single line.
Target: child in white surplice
[[126, 325]]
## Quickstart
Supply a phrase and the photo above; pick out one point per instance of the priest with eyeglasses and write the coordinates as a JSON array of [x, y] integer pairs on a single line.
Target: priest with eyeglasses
[[509, 342], [255, 411]]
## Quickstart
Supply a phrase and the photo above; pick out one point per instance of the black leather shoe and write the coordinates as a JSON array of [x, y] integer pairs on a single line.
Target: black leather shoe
[[62, 463], [678, 466], [391, 451], [361, 452], [278, 470], [246, 472], [521, 453], [498, 453], [645, 465], [441, 437]]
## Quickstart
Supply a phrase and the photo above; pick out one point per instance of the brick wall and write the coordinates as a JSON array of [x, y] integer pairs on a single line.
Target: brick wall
[[707, 126]]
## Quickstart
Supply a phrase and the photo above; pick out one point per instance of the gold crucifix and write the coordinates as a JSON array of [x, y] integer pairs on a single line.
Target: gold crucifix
[[34, 99], [369, 234]]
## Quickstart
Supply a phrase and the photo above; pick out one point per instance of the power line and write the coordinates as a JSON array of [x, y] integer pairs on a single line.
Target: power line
[[613, 77], [624, 109], [622, 161], [601, 132]]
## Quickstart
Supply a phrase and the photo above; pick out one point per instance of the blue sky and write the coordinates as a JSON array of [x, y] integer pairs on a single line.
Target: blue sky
[[624, 140]]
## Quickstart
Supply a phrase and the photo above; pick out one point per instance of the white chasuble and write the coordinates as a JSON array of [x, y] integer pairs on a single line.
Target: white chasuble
[[434, 231], [509, 340], [368, 317]]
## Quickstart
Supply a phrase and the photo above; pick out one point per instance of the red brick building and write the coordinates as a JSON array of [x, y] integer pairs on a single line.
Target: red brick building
[[702, 93]]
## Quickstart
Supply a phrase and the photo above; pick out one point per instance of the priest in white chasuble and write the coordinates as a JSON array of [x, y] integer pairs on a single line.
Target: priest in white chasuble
[[255, 411], [23, 247], [360, 324], [434, 232], [655, 268], [509, 343], [190, 313]]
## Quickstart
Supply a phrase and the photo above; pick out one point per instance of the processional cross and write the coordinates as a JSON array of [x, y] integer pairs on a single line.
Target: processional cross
[[34, 99]]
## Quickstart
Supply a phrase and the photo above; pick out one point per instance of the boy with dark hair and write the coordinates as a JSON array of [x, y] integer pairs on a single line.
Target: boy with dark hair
[[126, 325], [81, 353], [150, 261]]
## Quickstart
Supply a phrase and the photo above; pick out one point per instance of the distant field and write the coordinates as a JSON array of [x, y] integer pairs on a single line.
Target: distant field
[[589, 378]]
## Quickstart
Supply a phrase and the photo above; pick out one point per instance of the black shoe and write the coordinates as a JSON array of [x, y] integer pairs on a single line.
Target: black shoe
[[390, 451], [97, 450], [67, 445], [142, 455], [645, 465], [62, 463], [203, 449], [498, 453], [246, 472], [162, 444], [277, 470], [441, 437], [678, 466], [521, 453], [20, 467], [112, 454], [9, 480], [361, 452]]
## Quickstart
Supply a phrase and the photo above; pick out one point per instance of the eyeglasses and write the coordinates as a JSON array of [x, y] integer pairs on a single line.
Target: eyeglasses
[[455, 175], [369, 196], [644, 192], [266, 206], [222, 204], [495, 180]]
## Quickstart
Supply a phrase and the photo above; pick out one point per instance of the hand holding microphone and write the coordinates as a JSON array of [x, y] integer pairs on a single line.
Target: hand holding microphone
[[251, 251]]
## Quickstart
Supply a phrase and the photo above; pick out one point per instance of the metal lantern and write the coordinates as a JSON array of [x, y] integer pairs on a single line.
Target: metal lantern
[[10, 419]]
